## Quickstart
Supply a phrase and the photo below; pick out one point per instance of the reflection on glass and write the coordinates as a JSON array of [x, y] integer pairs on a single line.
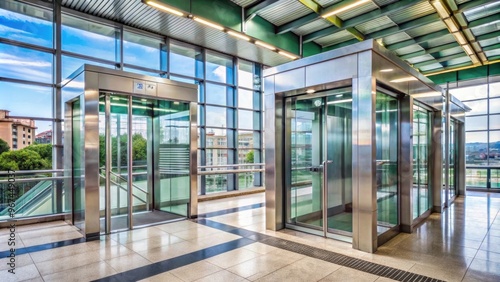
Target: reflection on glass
[[85, 37], [71, 64], [26, 23], [216, 116], [141, 50], [387, 161], [248, 99], [453, 153], [185, 60], [25, 64], [421, 143], [248, 75], [470, 93], [495, 89], [476, 178], [494, 106], [476, 123], [494, 153], [219, 68], [219, 95], [248, 119], [495, 178], [479, 107], [78, 165], [494, 122]]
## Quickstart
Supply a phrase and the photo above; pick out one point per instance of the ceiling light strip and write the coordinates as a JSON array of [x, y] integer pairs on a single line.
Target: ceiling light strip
[[238, 35], [343, 9], [207, 23], [165, 8]]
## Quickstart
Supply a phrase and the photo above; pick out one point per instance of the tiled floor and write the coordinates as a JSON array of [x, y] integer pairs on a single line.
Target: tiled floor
[[462, 244]]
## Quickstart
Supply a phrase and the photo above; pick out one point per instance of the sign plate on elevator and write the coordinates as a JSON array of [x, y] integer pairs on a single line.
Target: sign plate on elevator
[[139, 87]]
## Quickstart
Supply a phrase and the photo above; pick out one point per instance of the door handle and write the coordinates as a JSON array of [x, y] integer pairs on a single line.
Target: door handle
[[325, 196]]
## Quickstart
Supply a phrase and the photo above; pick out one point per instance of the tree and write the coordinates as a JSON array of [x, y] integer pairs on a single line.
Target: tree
[[4, 147], [249, 158], [23, 160], [44, 150]]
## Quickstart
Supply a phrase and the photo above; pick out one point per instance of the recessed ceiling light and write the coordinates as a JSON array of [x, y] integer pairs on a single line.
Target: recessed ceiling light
[[404, 79], [310, 91], [202, 21], [165, 8], [386, 70], [293, 57], [265, 45], [239, 35]]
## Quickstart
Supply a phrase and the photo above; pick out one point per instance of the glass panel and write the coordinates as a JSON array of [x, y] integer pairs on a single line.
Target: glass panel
[[470, 93], [155, 74], [78, 164], [247, 179], [26, 24], [494, 154], [216, 138], [476, 148], [495, 89], [495, 178], [219, 68], [494, 106], [89, 38], [246, 76], [249, 99], [494, 122], [186, 60], [71, 64], [306, 145], [453, 164], [39, 97], [248, 120], [479, 107], [248, 139], [216, 183], [141, 50], [339, 151], [476, 123], [219, 95], [216, 116], [387, 161], [476, 178], [174, 152], [25, 64], [421, 141]]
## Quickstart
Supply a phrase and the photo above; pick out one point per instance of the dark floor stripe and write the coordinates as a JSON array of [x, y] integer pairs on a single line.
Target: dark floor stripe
[[173, 263], [232, 210], [336, 258], [43, 247]]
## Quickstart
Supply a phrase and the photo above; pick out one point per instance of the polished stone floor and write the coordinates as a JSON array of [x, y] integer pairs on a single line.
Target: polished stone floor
[[462, 244]]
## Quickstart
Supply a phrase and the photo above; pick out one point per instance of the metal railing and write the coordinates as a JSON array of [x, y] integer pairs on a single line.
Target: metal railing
[[202, 169]]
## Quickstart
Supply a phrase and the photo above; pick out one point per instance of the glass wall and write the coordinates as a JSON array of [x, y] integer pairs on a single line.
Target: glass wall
[[482, 125], [387, 150], [230, 111], [421, 149]]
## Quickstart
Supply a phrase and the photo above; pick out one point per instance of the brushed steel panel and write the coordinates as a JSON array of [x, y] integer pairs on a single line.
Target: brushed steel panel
[[91, 141], [355, 165], [269, 85], [290, 80], [193, 165], [436, 161], [461, 158], [329, 71], [406, 161]]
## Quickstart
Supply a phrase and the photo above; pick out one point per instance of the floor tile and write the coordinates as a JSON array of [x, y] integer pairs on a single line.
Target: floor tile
[[163, 277], [170, 251], [19, 260], [62, 264], [154, 242], [20, 273], [260, 248], [195, 271], [348, 274], [87, 272], [220, 276], [232, 258], [447, 274], [306, 269], [127, 262]]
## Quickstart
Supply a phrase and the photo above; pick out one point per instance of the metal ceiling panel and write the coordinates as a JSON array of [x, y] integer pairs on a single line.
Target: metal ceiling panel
[[244, 3], [375, 25], [435, 66], [312, 26], [364, 8], [461, 1], [451, 51], [482, 11], [414, 12], [382, 3], [326, 3], [492, 53], [409, 49], [483, 29], [420, 59], [284, 12], [440, 41], [335, 38], [488, 42], [426, 29], [395, 38], [457, 61]]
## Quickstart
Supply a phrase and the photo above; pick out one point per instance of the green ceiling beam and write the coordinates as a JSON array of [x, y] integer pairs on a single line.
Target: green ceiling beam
[[483, 21], [439, 60], [396, 29], [491, 47], [252, 10], [296, 23], [359, 36], [318, 9], [431, 51], [386, 10], [418, 40]]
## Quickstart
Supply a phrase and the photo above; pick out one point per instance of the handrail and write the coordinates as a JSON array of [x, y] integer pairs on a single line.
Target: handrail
[[31, 171], [230, 165], [123, 188], [137, 187], [210, 172], [35, 179]]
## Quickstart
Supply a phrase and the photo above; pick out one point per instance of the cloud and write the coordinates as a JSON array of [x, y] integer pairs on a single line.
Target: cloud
[[220, 72]]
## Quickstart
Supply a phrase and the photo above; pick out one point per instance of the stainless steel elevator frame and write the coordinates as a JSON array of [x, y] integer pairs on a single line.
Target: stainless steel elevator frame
[[365, 66], [87, 82]]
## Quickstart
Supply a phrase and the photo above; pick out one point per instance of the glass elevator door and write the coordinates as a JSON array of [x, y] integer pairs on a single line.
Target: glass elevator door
[[319, 163]]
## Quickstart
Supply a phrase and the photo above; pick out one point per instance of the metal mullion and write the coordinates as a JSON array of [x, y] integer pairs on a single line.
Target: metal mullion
[[119, 59], [141, 68], [28, 45], [129, 164], [86, 57], [87, 17], [15, 80], [108, 145]]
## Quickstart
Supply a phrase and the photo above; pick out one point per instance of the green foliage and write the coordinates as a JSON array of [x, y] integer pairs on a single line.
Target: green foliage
[[4, 147], [23, 160], [44, 150], [139, 149], [249, 157]]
